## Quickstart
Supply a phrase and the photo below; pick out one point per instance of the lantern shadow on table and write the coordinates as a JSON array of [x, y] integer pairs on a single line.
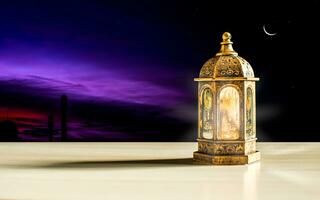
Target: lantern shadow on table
[[112, 164]]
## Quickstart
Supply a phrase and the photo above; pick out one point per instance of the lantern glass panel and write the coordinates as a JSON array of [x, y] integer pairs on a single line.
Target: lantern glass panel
[[207, 114], [249, 112], [229, 114]]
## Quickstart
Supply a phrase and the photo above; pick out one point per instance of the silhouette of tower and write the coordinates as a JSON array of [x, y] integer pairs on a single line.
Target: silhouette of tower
[[50, 126], [64, 110]]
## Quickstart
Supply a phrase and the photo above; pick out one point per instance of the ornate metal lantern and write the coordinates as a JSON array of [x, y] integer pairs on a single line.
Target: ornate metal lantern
[[226, 104]]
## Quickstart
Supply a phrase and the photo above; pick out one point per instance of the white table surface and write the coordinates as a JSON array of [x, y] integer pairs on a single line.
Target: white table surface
[[150, 171]]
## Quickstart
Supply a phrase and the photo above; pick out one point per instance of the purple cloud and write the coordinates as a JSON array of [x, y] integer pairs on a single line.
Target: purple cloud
[[82, 79]]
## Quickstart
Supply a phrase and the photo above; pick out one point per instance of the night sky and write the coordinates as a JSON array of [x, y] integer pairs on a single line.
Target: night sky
[[127, 67]]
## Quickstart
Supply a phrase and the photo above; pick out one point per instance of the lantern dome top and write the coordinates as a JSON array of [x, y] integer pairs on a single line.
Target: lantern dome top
[[226, 63]]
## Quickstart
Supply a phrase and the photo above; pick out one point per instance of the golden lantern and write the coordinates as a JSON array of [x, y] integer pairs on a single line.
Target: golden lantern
[[226, 109]]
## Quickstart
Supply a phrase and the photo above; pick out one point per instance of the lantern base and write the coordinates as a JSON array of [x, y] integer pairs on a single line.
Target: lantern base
[[206, 159]]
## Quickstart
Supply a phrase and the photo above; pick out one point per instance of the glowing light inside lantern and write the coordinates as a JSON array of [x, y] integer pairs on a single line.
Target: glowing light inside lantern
[[229, 114]]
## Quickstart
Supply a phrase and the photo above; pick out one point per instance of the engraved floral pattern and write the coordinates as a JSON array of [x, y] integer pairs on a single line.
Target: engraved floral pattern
[[221, 149], [247, 69], [207, 69], [228, 148], [226, 66], [250, 147]]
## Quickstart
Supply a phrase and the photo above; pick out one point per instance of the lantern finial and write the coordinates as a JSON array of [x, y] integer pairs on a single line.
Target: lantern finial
[[226, 37], [226, 45]]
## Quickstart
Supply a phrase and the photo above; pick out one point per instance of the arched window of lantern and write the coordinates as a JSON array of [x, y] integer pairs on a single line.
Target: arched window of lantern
[[228, 113], [206, 113], [249, 112]]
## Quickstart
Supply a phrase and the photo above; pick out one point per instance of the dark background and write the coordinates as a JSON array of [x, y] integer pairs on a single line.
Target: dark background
[[128, 66]]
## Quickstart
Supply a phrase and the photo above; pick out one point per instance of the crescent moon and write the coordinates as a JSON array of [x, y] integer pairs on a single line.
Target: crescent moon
[[266, 32]]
